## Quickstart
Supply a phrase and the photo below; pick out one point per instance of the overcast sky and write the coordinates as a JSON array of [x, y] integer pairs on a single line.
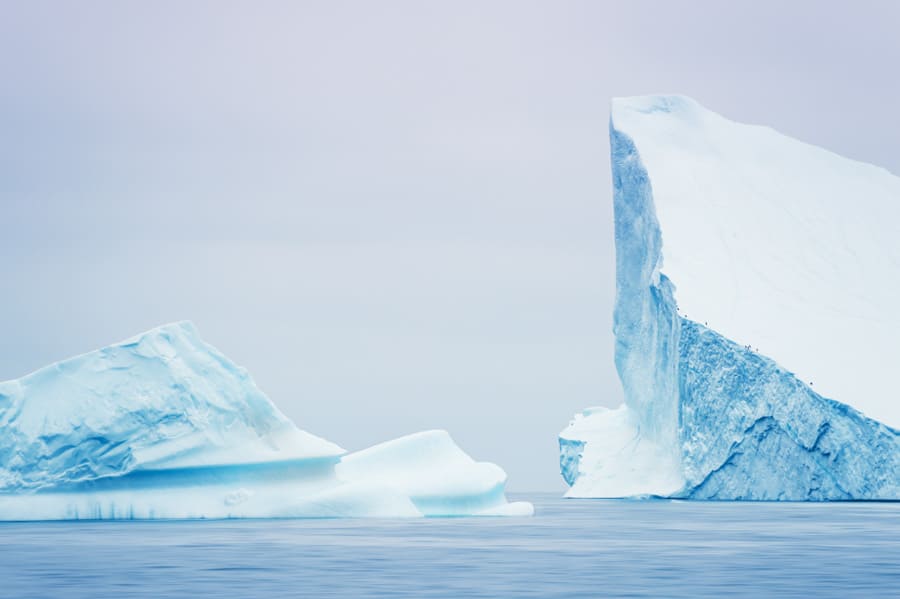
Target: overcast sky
[[396, 215]]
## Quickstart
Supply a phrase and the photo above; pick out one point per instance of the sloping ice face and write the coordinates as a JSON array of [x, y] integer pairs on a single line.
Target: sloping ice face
[[165, 426], [773, 269]]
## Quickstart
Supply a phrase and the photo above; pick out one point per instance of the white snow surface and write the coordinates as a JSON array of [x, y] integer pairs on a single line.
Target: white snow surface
[[777, 244]]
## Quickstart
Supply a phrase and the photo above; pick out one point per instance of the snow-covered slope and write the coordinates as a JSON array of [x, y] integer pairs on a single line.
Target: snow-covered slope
[[777, 244], [165, 426], [783, 258]]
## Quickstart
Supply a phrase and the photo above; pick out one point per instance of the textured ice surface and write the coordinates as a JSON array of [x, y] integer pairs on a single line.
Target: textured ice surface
[[161, 400], [617, 461], [165, 426], [788, 256]]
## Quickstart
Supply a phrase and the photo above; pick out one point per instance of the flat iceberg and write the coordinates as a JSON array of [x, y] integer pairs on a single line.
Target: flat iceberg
[[165, 426], [787, 268]]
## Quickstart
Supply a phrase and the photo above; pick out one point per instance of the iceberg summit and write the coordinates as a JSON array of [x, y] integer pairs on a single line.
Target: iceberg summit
[[165, 426], [756, 319]]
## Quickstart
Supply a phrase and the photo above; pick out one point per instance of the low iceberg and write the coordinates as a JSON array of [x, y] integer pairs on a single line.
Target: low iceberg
[[784, 256], [165, 426]]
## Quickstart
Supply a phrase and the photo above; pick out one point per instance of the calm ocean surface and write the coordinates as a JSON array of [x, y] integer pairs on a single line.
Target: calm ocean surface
[[571, 548]]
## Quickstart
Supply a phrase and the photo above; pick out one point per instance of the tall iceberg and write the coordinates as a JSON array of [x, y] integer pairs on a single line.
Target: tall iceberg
[[165, 426], [757, 281]]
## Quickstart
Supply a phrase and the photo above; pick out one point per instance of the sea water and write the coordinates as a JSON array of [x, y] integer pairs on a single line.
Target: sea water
[[570, 548]]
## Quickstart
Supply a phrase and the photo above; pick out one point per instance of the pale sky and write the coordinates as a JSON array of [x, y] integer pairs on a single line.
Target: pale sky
[[396, 215]]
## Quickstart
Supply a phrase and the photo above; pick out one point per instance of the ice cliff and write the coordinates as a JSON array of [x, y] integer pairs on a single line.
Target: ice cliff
[[165, 426], [757, 283]]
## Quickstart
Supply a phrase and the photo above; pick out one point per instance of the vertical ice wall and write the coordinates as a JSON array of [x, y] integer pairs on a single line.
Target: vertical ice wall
[[645, 320]]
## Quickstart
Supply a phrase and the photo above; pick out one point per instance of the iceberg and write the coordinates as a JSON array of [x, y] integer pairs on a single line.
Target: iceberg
[[165, 426], [757, 279]]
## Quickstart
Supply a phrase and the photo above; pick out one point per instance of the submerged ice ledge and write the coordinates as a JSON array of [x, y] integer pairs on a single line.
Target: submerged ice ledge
[[165, 426], [706, 417]]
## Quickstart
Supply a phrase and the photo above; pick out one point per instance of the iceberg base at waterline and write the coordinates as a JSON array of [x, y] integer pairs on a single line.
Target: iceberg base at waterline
[[163, 426], [423, 474], [602, 454]]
